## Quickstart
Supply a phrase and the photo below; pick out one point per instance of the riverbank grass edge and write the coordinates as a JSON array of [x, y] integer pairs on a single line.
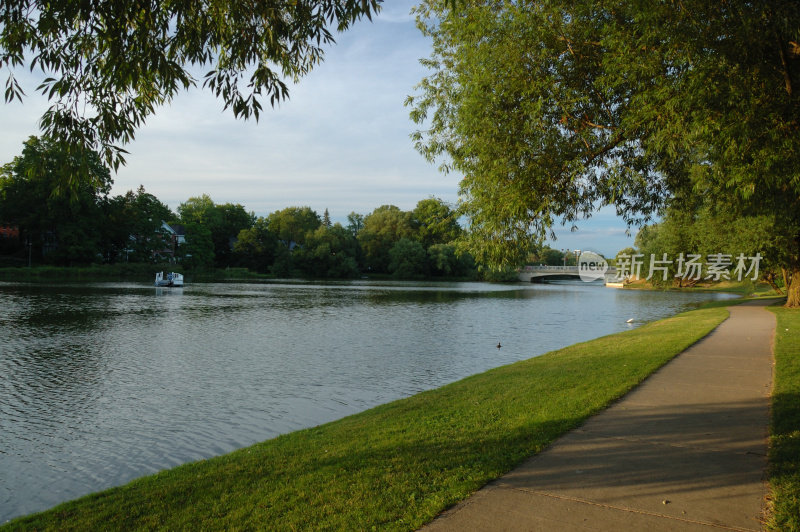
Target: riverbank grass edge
[[395, 466], [784, 448]]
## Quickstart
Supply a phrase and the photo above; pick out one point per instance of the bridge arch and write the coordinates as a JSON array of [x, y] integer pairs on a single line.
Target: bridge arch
[[534, 274]]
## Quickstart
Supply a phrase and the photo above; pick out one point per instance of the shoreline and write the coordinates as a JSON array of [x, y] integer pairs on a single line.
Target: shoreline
[[741, 288], [145, 272], [443, 410], [691, 433]]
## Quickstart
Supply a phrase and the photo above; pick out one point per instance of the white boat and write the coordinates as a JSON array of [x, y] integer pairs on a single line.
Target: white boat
[[171, 279]]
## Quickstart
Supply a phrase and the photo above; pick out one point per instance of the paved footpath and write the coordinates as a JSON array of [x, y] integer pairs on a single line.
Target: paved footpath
[[686, 450]]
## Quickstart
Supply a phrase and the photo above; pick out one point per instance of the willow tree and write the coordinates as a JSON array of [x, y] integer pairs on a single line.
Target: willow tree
[[108, 65], [554, 108]]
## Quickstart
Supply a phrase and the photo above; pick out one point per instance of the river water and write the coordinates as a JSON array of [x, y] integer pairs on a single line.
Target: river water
[[106, 382]]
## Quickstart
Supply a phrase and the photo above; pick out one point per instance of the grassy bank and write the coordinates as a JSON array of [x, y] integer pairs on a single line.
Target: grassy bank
[[145, 272], [135, 272], [743, 288], [139, 272], [784, 453], [396, 466]]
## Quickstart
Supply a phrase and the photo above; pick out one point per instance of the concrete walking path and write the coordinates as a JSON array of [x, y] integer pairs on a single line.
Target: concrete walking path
[[686, 450]]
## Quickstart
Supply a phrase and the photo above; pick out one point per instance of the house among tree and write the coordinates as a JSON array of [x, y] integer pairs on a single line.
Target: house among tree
[[174, 237], [177, 233], [10, 242], [9, 232]]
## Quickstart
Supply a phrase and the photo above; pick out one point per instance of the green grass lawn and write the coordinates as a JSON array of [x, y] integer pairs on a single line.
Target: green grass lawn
[[743, 288], [396, 466], [784, 453]]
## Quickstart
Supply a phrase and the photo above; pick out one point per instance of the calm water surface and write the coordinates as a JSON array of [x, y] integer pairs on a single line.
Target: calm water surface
[[104, 383]]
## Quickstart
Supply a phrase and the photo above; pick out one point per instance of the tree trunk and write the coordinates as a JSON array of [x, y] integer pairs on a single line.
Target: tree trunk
[[793, 289], [770, 278]]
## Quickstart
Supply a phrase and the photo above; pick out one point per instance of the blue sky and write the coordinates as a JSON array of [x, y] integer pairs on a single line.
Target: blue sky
[[340, 142]]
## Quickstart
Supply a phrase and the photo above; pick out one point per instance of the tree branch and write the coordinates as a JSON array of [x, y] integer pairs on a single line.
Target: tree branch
[[787, 78], [605, 149]]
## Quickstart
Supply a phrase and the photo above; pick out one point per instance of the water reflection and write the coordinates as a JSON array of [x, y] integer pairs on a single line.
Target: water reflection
[[107, 382]]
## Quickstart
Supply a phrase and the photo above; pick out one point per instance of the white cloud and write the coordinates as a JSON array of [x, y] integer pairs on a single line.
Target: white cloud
[[341, 142], [604, 232]]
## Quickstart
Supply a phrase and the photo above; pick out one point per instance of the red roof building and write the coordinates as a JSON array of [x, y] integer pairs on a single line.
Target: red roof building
[[8, 231]]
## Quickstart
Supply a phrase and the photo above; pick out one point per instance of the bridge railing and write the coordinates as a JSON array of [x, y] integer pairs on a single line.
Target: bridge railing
[[611, 271], [542, 267]]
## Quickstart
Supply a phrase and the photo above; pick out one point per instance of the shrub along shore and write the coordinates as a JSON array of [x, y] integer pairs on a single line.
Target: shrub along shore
[[145, 273], [132, 272], [398, 465]]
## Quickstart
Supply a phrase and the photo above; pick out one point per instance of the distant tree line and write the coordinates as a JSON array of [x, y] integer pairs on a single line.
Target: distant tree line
[[546, 256], [83, 224], [406, 244], [695, 228], [80, 224]]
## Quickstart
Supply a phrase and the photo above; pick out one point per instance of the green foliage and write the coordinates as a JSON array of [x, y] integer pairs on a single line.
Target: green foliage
[[445, 260], [705, 230], [110, 65], [198, 251], [501, 275], [224, 222], [133, 228], [198, 210], [547, 256], [283, 265], [355, 222], [435, 222], [658, 240], [257, 247], [629, 251], [382, 228], [234, 219], [553, 257], [292, 224], [328, 252], [407, 259], [84, 225], [396, 466], [63, 226], [131, 271], [552, 109]]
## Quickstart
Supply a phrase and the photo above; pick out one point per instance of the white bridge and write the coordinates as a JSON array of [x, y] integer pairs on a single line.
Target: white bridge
[[532, 274]]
